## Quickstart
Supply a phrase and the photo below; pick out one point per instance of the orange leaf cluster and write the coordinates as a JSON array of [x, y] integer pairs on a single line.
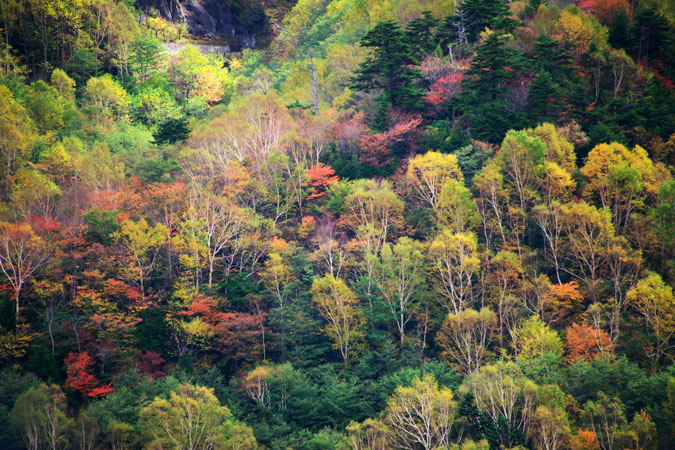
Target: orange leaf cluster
[[585, 343], [444, 88], [320, 177], [585, 440], [307, 226], [566, 299]]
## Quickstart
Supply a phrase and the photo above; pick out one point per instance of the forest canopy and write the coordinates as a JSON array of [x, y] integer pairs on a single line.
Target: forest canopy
[[391, 224]]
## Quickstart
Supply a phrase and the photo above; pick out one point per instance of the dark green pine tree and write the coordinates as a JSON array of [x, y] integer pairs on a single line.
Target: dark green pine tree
[[482, 14], [481, 102], [551, 55], [491, 69], [619, 30], [391, 67], [471, 18], [420, 34], [650, 34], [544, 100]]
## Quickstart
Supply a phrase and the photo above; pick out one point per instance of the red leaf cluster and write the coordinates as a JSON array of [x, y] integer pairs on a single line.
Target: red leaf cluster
[[665, 81], [604, 10], [101, 391], [150, 363], [237, 334], [79, 378]]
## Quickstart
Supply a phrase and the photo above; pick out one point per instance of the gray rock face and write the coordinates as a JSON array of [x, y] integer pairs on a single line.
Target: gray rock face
[[205, 18]]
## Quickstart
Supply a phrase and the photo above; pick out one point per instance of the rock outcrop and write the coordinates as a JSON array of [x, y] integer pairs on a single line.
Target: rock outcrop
[[204, 18]]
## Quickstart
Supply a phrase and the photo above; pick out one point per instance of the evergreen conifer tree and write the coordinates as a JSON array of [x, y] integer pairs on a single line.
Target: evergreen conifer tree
[[390, 68]]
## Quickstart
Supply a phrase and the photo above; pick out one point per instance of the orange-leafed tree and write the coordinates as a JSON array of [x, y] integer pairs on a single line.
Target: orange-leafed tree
[[584, 440], [585, 343], [320, 177], [22, 253], [565, 300], [444, 88]]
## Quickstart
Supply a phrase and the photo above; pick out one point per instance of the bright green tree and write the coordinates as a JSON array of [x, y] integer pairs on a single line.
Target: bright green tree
[[192, 418], [339, 306]]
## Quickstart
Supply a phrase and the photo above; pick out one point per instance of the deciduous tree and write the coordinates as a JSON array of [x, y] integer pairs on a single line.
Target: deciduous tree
[[655, 301], [428, 173], [502, 393], [340, 307], [40, 415], [456, 263], [191, 418], [605, 417], [107, 98], [585, 343], [22, 253], [421, 415], [533, 339], [466, 335], [142, 243], [399, 275]]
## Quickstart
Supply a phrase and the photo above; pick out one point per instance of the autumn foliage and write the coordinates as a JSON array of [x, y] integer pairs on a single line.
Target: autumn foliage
[[585, 440], [367, 224]]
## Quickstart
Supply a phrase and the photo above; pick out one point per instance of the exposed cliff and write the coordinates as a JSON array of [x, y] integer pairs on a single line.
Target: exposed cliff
[[205, 18]]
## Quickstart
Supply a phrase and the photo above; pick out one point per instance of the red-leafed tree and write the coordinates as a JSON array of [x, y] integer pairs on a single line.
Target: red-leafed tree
[[239, 335], [79, 376], [204, 307], [604, 10], [122, 293], [101, 391], [320, 177], [376, 148], [150, 363]]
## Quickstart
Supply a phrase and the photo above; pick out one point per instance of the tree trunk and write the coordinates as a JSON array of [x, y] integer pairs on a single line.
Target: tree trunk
[[16, 317], [314, 85]]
